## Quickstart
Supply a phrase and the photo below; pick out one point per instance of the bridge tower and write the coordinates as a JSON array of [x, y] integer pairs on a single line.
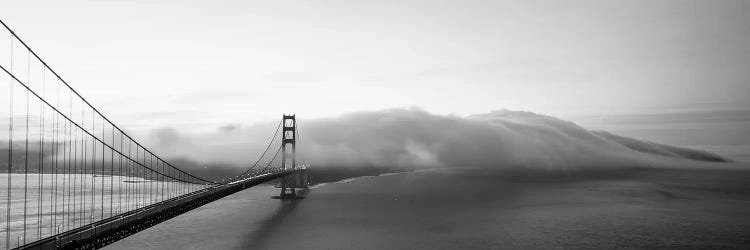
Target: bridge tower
[[289, 138]]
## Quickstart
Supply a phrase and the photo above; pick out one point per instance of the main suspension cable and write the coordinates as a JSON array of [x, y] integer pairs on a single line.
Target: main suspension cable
[[272, 159], [265, 151], [13, 34]]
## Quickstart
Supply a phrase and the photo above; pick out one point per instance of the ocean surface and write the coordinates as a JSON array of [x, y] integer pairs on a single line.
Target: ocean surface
[[473, 209]]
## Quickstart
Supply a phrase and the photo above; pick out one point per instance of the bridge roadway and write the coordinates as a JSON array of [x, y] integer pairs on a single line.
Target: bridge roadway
[[107, 231]]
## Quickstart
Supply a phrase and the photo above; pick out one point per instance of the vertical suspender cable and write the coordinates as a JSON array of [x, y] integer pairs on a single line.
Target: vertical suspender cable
[[69, 162], [138, 182], [151, 177], [79, 203], [41, 162], [160, 185], [93, 167], [10, 149], [55, 166], [90, 177], [85, 162], [66, 174], [26, 155], [112, 175], [103, 172], [53, 176], [74, 171], [119, 180], [127, 187]]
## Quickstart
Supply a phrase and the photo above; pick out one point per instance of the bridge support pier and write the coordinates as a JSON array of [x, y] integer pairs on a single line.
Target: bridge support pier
[[299, 179]]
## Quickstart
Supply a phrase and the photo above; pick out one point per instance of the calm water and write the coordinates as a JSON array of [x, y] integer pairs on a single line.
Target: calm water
[[656, 209]]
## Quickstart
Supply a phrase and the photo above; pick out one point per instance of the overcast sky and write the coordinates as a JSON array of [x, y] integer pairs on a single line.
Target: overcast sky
[[191, 64]]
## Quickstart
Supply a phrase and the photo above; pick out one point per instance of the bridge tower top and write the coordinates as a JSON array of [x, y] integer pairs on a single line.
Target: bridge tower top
[[289, 128]]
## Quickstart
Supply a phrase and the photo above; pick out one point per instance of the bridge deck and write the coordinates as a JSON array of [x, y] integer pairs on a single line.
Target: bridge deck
[[107, 231]]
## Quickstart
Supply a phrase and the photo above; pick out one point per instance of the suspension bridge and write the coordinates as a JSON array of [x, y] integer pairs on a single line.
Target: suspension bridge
[[74, 180]]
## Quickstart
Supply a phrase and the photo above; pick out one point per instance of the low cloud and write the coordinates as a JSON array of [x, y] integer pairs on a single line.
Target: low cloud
[[404, 139]]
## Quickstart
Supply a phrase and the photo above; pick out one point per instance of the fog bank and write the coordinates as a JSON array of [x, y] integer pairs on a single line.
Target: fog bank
[[405, 139]]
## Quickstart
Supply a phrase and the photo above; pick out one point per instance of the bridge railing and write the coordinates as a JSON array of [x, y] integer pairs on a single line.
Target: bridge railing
[[63, 164]]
